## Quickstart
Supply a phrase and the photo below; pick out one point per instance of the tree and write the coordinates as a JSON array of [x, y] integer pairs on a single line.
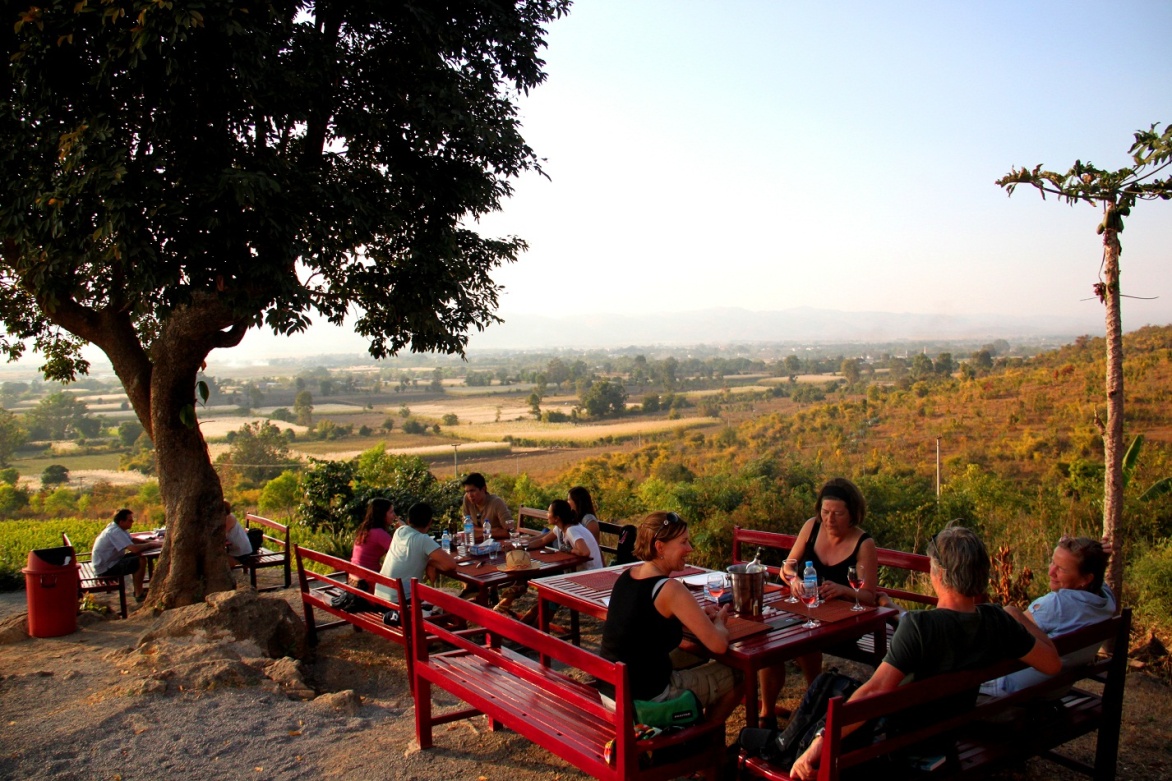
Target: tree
[[12, 436], [281, 494], [605, 397], [173, 177], [1115, 193], [54, 474], [259, 452], [303, 408], [850, 370], [55, 416]]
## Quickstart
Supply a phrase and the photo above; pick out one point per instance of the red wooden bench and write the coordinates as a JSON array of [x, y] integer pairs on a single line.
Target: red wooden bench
[[998, 731], [318, 590], [90, 582], [275, 552], [499, 677]]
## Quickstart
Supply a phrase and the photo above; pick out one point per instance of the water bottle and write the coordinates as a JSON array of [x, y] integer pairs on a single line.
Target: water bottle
[[446, 541], [469, 537], [810, 579], [487, 531]]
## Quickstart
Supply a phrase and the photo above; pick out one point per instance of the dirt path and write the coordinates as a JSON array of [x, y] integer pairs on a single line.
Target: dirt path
[[84, 707]]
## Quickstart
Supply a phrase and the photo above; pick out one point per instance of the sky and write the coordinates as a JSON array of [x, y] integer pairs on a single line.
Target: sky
[[837, 155]]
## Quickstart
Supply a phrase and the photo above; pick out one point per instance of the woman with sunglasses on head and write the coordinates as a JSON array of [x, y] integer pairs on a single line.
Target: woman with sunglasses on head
[[833, 542], [646, 619]]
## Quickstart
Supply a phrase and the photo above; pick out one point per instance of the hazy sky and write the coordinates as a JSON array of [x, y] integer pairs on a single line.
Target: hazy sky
[[838, 155]]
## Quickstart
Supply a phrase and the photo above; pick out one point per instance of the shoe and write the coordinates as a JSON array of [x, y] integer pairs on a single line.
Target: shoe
[[504, 604], [140, 597], [767, 722], [503, 610]]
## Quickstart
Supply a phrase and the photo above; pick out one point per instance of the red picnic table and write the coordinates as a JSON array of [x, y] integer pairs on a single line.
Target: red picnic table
[[755, 643]]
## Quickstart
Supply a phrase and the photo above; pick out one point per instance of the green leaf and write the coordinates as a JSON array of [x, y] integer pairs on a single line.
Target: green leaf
[[201, 387], [187, 415], [1130, 457], [1159, 488]]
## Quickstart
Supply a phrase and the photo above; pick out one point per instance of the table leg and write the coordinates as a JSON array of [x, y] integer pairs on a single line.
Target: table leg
[[545, 611], [751, 698]]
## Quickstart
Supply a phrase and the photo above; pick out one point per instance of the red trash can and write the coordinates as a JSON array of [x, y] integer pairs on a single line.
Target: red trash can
[[51, 582]]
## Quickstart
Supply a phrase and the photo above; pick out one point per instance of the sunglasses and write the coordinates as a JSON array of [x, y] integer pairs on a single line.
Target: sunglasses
[[672, 518]]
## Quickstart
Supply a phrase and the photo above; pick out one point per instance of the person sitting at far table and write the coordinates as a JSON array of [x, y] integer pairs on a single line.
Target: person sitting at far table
[[959, 634], [583, 506], [372, 539], [414, 554], [483, 506], [116, 554], [646, 619], [235, 535], [569, 535]]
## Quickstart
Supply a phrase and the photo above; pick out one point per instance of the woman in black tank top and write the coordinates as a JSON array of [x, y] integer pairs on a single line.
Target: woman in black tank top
[[833, 542]]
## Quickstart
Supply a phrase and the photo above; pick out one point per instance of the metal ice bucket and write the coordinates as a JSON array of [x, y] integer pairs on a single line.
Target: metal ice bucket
[[748, 588]]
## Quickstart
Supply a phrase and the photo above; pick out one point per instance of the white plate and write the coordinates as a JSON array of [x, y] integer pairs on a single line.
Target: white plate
[[697, 581]]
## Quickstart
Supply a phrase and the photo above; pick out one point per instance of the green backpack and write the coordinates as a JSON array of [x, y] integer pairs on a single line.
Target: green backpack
[[681, 711]]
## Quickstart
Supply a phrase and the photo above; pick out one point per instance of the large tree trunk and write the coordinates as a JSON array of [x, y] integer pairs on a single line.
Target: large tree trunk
[[1113, 431], [194, 562]]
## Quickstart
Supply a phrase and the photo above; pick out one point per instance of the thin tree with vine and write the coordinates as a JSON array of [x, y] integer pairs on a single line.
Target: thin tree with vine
[[1115, 193]]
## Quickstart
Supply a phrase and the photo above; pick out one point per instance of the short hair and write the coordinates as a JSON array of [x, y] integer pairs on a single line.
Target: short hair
[[419, 516], [583, 504], [227, 506], [657, 527], [476, 480], [847, 492], [123, 514], [1092, 559], [561, 510], [961, 560]]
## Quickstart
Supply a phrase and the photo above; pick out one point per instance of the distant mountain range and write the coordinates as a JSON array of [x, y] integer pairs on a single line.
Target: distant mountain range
[[802, 324]]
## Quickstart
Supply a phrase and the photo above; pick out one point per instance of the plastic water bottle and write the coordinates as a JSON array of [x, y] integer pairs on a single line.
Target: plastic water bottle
[[469, 537], [810, 579], [487, 531], [446, 541]]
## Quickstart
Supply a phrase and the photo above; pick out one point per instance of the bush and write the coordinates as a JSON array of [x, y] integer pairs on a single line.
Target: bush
[[1149, 579], [413, 426], [54, 474], [450, 419]]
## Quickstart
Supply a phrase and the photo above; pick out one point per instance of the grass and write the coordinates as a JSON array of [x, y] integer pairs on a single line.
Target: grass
[[32, 467], [577, 433]]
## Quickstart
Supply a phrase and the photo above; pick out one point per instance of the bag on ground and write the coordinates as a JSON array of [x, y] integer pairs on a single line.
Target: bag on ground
[[784, 747]]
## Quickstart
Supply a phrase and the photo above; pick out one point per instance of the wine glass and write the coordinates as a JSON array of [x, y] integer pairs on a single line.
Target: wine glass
[[514, 533], [852, 576], [789, 573], [715, 586], [809, 596]]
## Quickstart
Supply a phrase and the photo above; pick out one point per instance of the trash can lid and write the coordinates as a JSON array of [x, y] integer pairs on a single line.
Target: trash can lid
[[50, 560]]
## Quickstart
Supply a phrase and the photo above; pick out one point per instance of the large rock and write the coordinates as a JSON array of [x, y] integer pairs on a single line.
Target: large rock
[[253, 620], [14, 629]]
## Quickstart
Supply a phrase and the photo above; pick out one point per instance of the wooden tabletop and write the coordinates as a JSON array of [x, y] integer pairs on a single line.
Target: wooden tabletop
[[784, 638], [485, 572]]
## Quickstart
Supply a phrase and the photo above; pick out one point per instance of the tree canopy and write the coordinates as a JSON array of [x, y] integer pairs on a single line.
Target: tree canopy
[[176, 173]]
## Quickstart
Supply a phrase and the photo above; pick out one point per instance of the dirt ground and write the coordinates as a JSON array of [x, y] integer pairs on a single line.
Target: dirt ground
[[88, 706]]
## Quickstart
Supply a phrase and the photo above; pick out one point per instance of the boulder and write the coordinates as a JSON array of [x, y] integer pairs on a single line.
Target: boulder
[[14, 629], [264, 624]]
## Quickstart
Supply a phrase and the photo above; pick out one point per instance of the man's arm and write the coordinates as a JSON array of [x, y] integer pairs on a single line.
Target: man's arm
[[885, 679], [1043, 657]]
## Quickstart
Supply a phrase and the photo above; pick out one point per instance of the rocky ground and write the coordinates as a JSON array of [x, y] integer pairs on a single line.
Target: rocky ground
[[181, 696]]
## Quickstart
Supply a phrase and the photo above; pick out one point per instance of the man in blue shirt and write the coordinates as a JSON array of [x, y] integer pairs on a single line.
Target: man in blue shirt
[[116, 554]]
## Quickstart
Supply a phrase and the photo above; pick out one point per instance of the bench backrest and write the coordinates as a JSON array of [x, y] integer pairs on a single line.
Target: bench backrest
[[271, 528], [532, 514], [1111, 669], [308, 578], [894, 559]]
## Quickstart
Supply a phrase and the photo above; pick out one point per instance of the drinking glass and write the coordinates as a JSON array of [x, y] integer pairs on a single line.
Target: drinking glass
[[809, 598], [852, 576], [789, 573], [514, 534], [715, 586]]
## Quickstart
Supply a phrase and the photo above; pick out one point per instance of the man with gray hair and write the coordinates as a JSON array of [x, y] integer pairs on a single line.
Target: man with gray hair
[[959, 634]]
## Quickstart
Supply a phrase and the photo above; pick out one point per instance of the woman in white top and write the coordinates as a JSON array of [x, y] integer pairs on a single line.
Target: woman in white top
[[568, 535]]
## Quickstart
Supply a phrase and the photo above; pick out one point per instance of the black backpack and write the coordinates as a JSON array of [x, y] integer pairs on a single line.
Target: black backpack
[[782, 748]]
